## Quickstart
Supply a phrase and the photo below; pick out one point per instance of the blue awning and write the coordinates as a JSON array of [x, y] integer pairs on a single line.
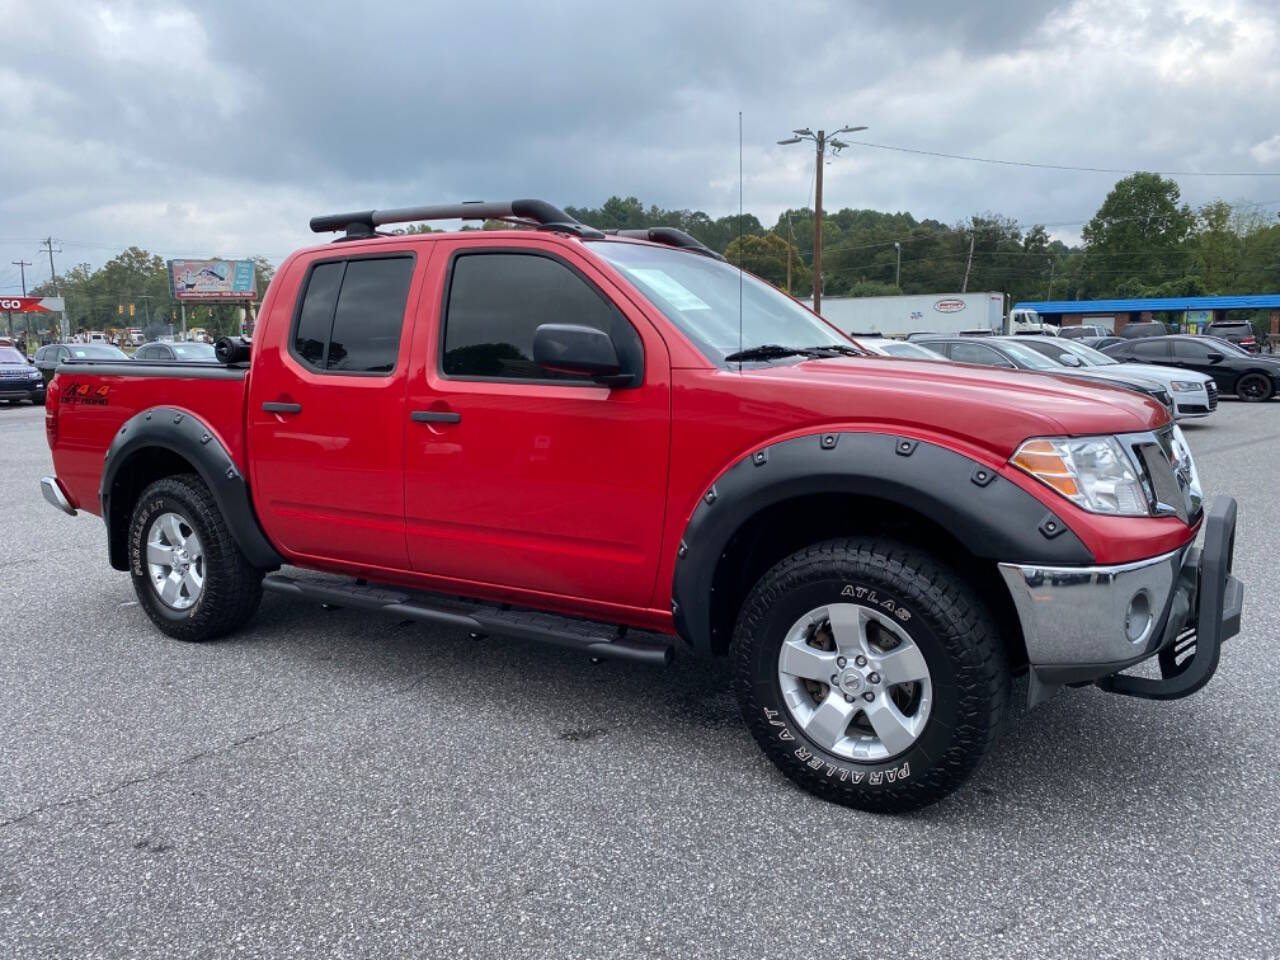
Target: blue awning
[[1261, 301]]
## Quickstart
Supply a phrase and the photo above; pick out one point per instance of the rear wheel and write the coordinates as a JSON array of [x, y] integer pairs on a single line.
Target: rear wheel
[[188, 572], [1254, 388], [870, 674]]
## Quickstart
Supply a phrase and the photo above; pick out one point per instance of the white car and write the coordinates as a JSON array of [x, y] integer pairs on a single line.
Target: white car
[[886, 347], [1194, 394]]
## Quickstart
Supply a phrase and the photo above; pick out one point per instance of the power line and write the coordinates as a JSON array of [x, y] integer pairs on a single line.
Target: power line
[[1058, 166]]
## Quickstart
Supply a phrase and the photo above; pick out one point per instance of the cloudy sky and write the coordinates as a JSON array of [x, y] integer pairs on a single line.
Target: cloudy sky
[[219, 128]]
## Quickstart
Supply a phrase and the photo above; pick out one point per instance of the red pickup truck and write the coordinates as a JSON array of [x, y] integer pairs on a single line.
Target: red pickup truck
[[620, 444]]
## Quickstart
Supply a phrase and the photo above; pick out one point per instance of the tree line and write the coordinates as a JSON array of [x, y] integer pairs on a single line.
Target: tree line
[[1143, 241]]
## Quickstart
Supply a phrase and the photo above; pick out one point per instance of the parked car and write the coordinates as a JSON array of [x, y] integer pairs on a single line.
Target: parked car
[[1143, 328], [180, 352], [1099, 343], [1011, 353], [1250, 376], [620, 445], [886, 347], [19, 380], [1194, 394], [48, 357], [1239, 332], [1082, 330]]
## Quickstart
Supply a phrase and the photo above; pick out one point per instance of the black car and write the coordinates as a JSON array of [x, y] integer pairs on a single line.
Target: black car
[[1249, 376], [181, 352], [48, 357], [1143, 328], [1239, 332], [1008, 353], [19, 380]]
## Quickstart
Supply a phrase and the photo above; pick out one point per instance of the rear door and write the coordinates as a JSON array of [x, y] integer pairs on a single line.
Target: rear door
[[326, 407], [518, 479]]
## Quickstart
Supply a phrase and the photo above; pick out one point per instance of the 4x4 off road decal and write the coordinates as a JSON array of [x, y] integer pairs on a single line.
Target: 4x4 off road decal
[[86, 394], [862, 593], [874, 778]]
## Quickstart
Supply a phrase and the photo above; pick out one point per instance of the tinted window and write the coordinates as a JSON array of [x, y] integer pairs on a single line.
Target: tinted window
[[974, 353], [1190, 350], [496, 302], [315, 319], [1151, 349], [352, 314]]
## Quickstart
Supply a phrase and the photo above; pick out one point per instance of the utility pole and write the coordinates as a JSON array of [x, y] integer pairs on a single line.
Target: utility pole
[[965, 288], [1053, 264], [791, 246], [821, 142], [47, 244], [22, 269]]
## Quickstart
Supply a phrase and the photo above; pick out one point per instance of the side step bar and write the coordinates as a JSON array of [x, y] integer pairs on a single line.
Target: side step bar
[[595, 639]]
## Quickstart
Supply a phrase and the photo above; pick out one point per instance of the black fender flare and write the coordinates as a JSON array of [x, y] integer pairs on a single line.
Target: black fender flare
[[187, 436], [994, 518]]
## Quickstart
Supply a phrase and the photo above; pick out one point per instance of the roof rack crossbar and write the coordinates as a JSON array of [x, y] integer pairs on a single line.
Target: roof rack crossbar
[[544, 215], [671, 237]]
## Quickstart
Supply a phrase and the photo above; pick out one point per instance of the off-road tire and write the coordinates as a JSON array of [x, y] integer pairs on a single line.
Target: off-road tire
[[944, 618], [1254, 388], [232, 586]]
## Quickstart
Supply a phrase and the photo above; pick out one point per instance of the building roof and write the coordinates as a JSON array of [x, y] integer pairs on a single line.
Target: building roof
[[1252, 302]]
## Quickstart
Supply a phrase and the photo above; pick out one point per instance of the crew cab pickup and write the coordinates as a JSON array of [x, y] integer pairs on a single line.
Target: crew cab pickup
[[620, 444]]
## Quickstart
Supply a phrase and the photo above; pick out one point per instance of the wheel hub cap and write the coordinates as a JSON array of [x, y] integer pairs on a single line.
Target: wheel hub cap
[[855, 682], [175, 561]]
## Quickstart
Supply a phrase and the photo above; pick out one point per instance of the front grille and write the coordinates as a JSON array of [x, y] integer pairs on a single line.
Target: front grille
[[1212, 389], [22, 373]]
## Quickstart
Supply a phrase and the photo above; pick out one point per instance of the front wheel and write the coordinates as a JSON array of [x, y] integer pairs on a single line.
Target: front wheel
[[1254, 388], [870, 674], [188, 571]]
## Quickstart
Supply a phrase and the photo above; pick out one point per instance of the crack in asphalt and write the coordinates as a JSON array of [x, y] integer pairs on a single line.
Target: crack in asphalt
[[147, 777]]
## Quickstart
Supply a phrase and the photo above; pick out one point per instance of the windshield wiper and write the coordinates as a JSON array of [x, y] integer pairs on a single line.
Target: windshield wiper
[[773, 351]]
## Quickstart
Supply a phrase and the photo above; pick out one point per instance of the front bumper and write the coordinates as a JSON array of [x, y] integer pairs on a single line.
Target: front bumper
[[1086, 624], [21, 389]]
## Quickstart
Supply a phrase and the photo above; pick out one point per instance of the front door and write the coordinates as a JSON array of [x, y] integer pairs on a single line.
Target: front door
[[326, 409], [1199, 356], [517, 478]]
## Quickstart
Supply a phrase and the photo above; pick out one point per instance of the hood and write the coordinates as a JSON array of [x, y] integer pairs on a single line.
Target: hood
[[987, 406]]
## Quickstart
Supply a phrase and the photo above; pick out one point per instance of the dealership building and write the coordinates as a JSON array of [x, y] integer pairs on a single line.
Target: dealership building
[[1193, 313]]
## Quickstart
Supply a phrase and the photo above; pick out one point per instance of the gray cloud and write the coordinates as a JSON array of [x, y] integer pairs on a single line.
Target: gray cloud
[[201, 128]]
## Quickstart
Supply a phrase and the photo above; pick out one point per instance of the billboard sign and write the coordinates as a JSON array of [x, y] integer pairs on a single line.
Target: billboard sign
[[213, 280], [33, 304]]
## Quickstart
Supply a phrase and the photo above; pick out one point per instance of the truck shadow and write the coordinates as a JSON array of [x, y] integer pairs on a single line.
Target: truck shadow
[[1082, 751]]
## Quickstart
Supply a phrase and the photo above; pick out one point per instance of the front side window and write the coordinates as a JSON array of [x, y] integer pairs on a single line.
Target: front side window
[[495, 303], [973, 353], [351, 315], [1189, 350]]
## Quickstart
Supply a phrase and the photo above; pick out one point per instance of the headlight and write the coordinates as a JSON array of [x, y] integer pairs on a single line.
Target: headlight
[[1179, 386], [1092, 472], [34, 374]]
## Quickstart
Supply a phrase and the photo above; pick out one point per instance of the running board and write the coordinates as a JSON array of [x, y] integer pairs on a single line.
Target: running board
[[600, 640]]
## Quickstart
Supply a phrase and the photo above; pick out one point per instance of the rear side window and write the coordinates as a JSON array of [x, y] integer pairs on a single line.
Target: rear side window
[[497, 300], [352, 314], [1150, 348]]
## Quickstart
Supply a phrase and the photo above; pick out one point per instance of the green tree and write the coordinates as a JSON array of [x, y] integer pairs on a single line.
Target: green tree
[[1139, 233], [765, 255]]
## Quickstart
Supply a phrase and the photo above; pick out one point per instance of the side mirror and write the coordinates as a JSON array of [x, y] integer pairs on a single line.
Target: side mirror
[[1214, 356], [1070, 360], [580, 351]]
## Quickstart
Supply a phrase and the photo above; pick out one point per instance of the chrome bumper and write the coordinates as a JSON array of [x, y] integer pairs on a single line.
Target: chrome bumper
[[52, 490], [1084, 624]]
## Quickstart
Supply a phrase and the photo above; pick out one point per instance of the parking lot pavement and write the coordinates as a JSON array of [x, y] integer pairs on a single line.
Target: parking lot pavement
[[329, 783]]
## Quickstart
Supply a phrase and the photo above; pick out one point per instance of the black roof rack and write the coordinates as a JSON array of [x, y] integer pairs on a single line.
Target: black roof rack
[[669, 236], [537, 213]]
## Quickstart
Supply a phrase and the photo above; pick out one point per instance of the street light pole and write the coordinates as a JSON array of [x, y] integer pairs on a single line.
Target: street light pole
[[897, 270], [821, 142]]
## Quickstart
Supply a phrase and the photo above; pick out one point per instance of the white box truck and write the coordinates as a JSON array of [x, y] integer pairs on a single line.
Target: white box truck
[[951, 313]]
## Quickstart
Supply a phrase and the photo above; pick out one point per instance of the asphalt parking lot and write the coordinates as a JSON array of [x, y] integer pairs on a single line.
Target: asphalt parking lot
[[328, 784]]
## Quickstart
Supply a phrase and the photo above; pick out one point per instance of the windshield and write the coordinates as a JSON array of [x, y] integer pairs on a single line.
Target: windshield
[[1089, 356], [1028, 358], [95, 351], [913, 350], [192, 351], [10, 355], [701, 296]]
